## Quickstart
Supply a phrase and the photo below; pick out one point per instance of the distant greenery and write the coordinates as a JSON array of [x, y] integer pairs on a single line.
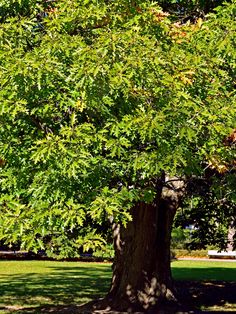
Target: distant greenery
[[178, 253], [108, 252], [180, 238]]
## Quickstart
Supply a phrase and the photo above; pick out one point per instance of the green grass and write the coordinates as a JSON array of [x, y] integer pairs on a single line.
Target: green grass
[[212, 285], [41, 283], [38, 283], [204, 270]]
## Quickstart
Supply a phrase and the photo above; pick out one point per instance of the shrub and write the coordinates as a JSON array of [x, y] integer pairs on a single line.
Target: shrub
[[106, 253], [180, 238]]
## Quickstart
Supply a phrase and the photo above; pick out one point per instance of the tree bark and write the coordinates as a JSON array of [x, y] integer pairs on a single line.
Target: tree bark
[[141, 270], [231, 235]]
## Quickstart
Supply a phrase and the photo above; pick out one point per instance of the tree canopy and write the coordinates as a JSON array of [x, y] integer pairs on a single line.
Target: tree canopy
[[97, 100]]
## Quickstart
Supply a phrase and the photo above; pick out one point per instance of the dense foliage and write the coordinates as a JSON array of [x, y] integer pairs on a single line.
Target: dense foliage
[[97, 99], [212, 214]]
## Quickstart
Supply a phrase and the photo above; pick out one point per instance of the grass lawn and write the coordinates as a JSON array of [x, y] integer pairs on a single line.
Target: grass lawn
[[40, 283], [35, 284], [204, 270], [207, 285]]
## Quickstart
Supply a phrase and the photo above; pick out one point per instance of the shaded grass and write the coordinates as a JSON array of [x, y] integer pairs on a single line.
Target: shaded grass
[[207, 285], [38, 284]]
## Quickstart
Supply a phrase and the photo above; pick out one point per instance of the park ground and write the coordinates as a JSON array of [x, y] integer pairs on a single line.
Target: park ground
[[60, 287]]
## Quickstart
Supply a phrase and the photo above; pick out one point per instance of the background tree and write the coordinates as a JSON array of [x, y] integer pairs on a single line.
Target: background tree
[[107, 111], [211, 210]]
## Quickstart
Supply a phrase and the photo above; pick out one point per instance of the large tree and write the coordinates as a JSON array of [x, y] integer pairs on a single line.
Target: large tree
[[109, 110]]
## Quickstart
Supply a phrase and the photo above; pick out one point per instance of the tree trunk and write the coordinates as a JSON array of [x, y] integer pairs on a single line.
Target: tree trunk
[[141, 270], [231, 235]]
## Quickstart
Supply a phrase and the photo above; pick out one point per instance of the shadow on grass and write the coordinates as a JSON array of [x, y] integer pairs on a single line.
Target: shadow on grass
[[216, 296], [61, 286], [210, 287]]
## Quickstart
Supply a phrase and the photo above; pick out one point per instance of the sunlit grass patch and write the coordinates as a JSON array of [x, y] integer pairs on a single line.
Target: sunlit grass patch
[[36, 283], [204, 270]]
